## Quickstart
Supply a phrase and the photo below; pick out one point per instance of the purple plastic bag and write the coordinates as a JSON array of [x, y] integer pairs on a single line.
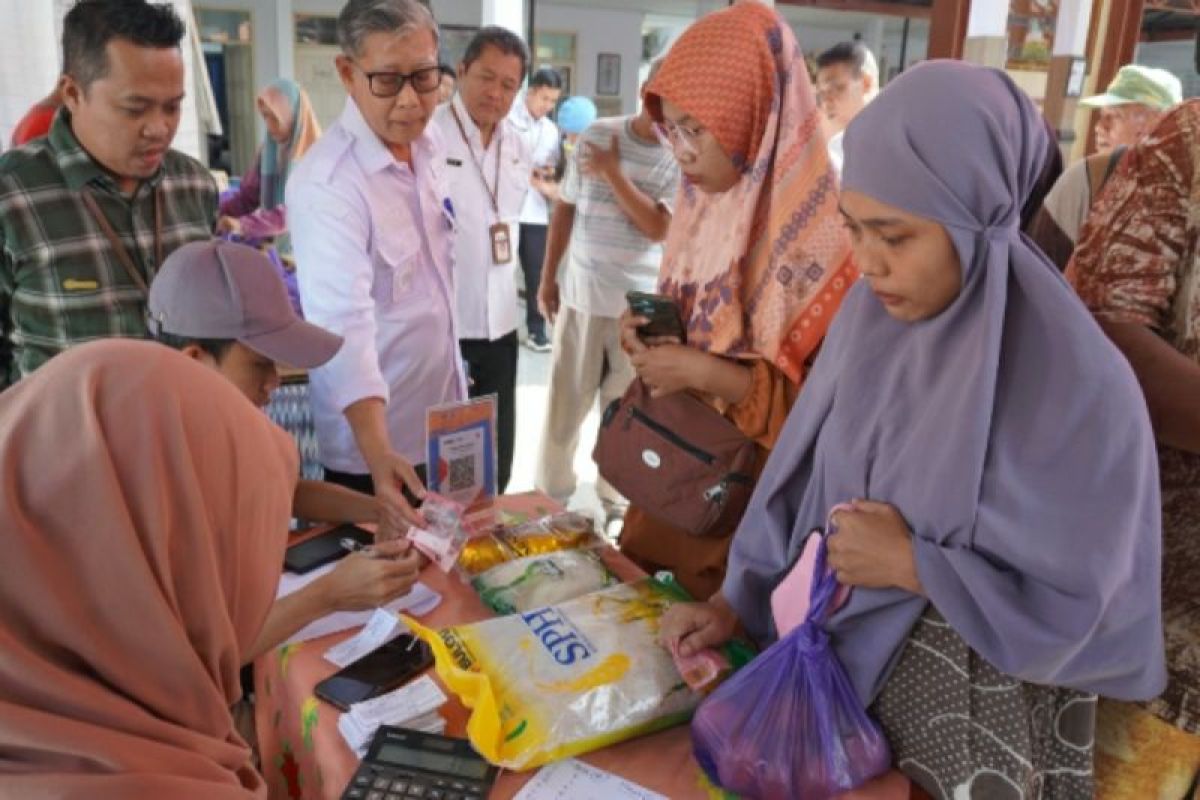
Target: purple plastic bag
[[789, 726], [272, 253]]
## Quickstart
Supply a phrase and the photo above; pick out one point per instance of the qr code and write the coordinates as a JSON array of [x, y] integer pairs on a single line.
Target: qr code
[[462, 474]]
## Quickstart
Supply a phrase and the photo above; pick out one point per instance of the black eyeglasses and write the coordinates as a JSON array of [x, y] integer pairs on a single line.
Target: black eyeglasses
[[390, 84]]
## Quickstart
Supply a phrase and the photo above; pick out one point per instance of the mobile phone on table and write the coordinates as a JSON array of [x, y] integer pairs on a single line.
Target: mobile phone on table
[[662, 311], [376, 673], [324, 548]]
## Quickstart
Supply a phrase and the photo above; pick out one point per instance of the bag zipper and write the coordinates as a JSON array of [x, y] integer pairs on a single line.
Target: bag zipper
[[670, 435]]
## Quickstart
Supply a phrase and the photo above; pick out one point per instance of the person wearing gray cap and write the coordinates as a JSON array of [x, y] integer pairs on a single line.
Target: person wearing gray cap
[[224, 305]]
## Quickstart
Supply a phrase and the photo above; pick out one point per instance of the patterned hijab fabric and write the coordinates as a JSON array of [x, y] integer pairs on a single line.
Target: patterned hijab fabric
[[1008, 431], [290, 104], [758, 270], [139, 567]]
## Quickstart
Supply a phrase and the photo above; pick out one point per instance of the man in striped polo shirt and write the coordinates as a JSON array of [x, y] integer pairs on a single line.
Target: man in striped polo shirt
[[88, 213], [613, 214]]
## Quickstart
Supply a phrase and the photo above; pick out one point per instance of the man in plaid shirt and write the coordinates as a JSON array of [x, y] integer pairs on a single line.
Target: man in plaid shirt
[[88, 213]]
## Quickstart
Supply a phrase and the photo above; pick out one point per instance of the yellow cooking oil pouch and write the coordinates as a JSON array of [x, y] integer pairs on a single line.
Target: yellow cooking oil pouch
[[566, 679]]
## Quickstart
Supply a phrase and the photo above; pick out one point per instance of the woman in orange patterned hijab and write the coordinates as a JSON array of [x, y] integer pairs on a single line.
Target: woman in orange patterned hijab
[[756, 256]]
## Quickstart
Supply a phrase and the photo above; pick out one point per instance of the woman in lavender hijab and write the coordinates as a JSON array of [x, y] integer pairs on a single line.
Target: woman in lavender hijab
[[1006, 564]]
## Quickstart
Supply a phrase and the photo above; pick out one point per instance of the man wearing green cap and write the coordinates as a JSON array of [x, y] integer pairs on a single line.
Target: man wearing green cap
[[1134, 101]]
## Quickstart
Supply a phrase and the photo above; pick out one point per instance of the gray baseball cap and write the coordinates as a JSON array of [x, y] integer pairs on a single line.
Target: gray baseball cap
[[222, 290]]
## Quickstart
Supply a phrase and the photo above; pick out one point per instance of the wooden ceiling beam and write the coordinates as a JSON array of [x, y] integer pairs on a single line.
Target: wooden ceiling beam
[[864, 7]]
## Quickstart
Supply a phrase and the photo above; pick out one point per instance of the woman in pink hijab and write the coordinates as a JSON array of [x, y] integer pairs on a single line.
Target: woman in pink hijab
[[145, 506]]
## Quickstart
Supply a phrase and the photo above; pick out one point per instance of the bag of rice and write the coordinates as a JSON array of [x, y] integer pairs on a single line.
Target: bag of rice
[[543, 580], [567, 530], [563, 680]]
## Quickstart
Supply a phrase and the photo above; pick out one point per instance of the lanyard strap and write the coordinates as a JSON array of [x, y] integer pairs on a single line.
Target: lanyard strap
[[119, 249], [493, 192]]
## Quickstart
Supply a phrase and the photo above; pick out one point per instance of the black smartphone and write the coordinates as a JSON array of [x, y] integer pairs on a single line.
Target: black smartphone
[[376, 673], [662, 311], [320, 550]]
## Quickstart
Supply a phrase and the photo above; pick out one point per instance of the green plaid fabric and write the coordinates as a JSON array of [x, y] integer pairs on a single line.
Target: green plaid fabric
[[60, 280]]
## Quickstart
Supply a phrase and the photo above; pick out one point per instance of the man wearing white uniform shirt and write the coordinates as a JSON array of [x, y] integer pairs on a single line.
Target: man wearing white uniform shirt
[[372, 234], [531, 117], [487, 171], [847, 79]]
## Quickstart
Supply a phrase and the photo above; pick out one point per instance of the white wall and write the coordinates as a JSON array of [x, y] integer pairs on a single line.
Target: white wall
[[818, 30], [599, 31], [263, 38], [27, 73]]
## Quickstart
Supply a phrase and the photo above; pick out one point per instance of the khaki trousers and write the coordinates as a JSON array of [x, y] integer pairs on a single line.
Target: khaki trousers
[[588, 364]]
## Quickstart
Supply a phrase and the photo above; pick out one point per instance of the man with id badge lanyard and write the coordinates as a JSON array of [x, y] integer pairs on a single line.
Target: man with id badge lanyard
[[487, 172]]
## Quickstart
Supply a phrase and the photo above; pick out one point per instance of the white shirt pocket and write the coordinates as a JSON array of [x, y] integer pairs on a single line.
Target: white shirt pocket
[[396, 262], [514, 185]]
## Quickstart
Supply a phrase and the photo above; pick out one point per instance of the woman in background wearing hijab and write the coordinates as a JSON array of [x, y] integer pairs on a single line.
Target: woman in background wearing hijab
[[138, 568], [756, 257], [255, 211], [1003, 542]]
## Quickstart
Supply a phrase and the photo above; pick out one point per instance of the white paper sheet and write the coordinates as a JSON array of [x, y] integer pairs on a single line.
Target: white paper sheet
[[574, 780], [381, 628], [412, 700], [418, 602], [359, 739], [413, 705]]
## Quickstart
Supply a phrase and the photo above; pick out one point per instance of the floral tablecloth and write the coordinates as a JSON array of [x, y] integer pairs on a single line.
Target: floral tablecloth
[[304, 756]]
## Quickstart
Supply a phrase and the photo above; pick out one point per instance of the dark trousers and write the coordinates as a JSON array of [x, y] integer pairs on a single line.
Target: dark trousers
[[532, 250], [492, 368], [366, 484]]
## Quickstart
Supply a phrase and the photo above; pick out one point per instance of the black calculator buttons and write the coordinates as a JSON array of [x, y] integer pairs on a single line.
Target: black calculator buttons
[[416, 790], [436, 794], [375, 796], [381, 784]]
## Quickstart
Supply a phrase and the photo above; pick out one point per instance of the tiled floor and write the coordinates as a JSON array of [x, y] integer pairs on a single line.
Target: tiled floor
[[533, 382]]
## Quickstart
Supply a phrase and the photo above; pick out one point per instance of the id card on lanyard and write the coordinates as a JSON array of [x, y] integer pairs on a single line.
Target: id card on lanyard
[[500, 234]]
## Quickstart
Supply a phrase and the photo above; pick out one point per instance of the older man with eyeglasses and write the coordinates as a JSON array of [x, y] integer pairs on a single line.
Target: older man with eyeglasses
[[372, 234]]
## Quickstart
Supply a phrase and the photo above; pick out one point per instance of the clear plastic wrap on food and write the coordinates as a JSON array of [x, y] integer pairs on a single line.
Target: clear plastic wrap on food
[[542, 580], [567, 530]]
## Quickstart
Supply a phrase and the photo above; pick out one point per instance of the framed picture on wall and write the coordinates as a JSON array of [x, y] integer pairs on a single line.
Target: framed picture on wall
[[1031, 25], [1076, 77], [565, 71], [608, 74]]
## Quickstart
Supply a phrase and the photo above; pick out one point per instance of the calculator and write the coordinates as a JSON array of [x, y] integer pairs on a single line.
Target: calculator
[[403, 764]]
